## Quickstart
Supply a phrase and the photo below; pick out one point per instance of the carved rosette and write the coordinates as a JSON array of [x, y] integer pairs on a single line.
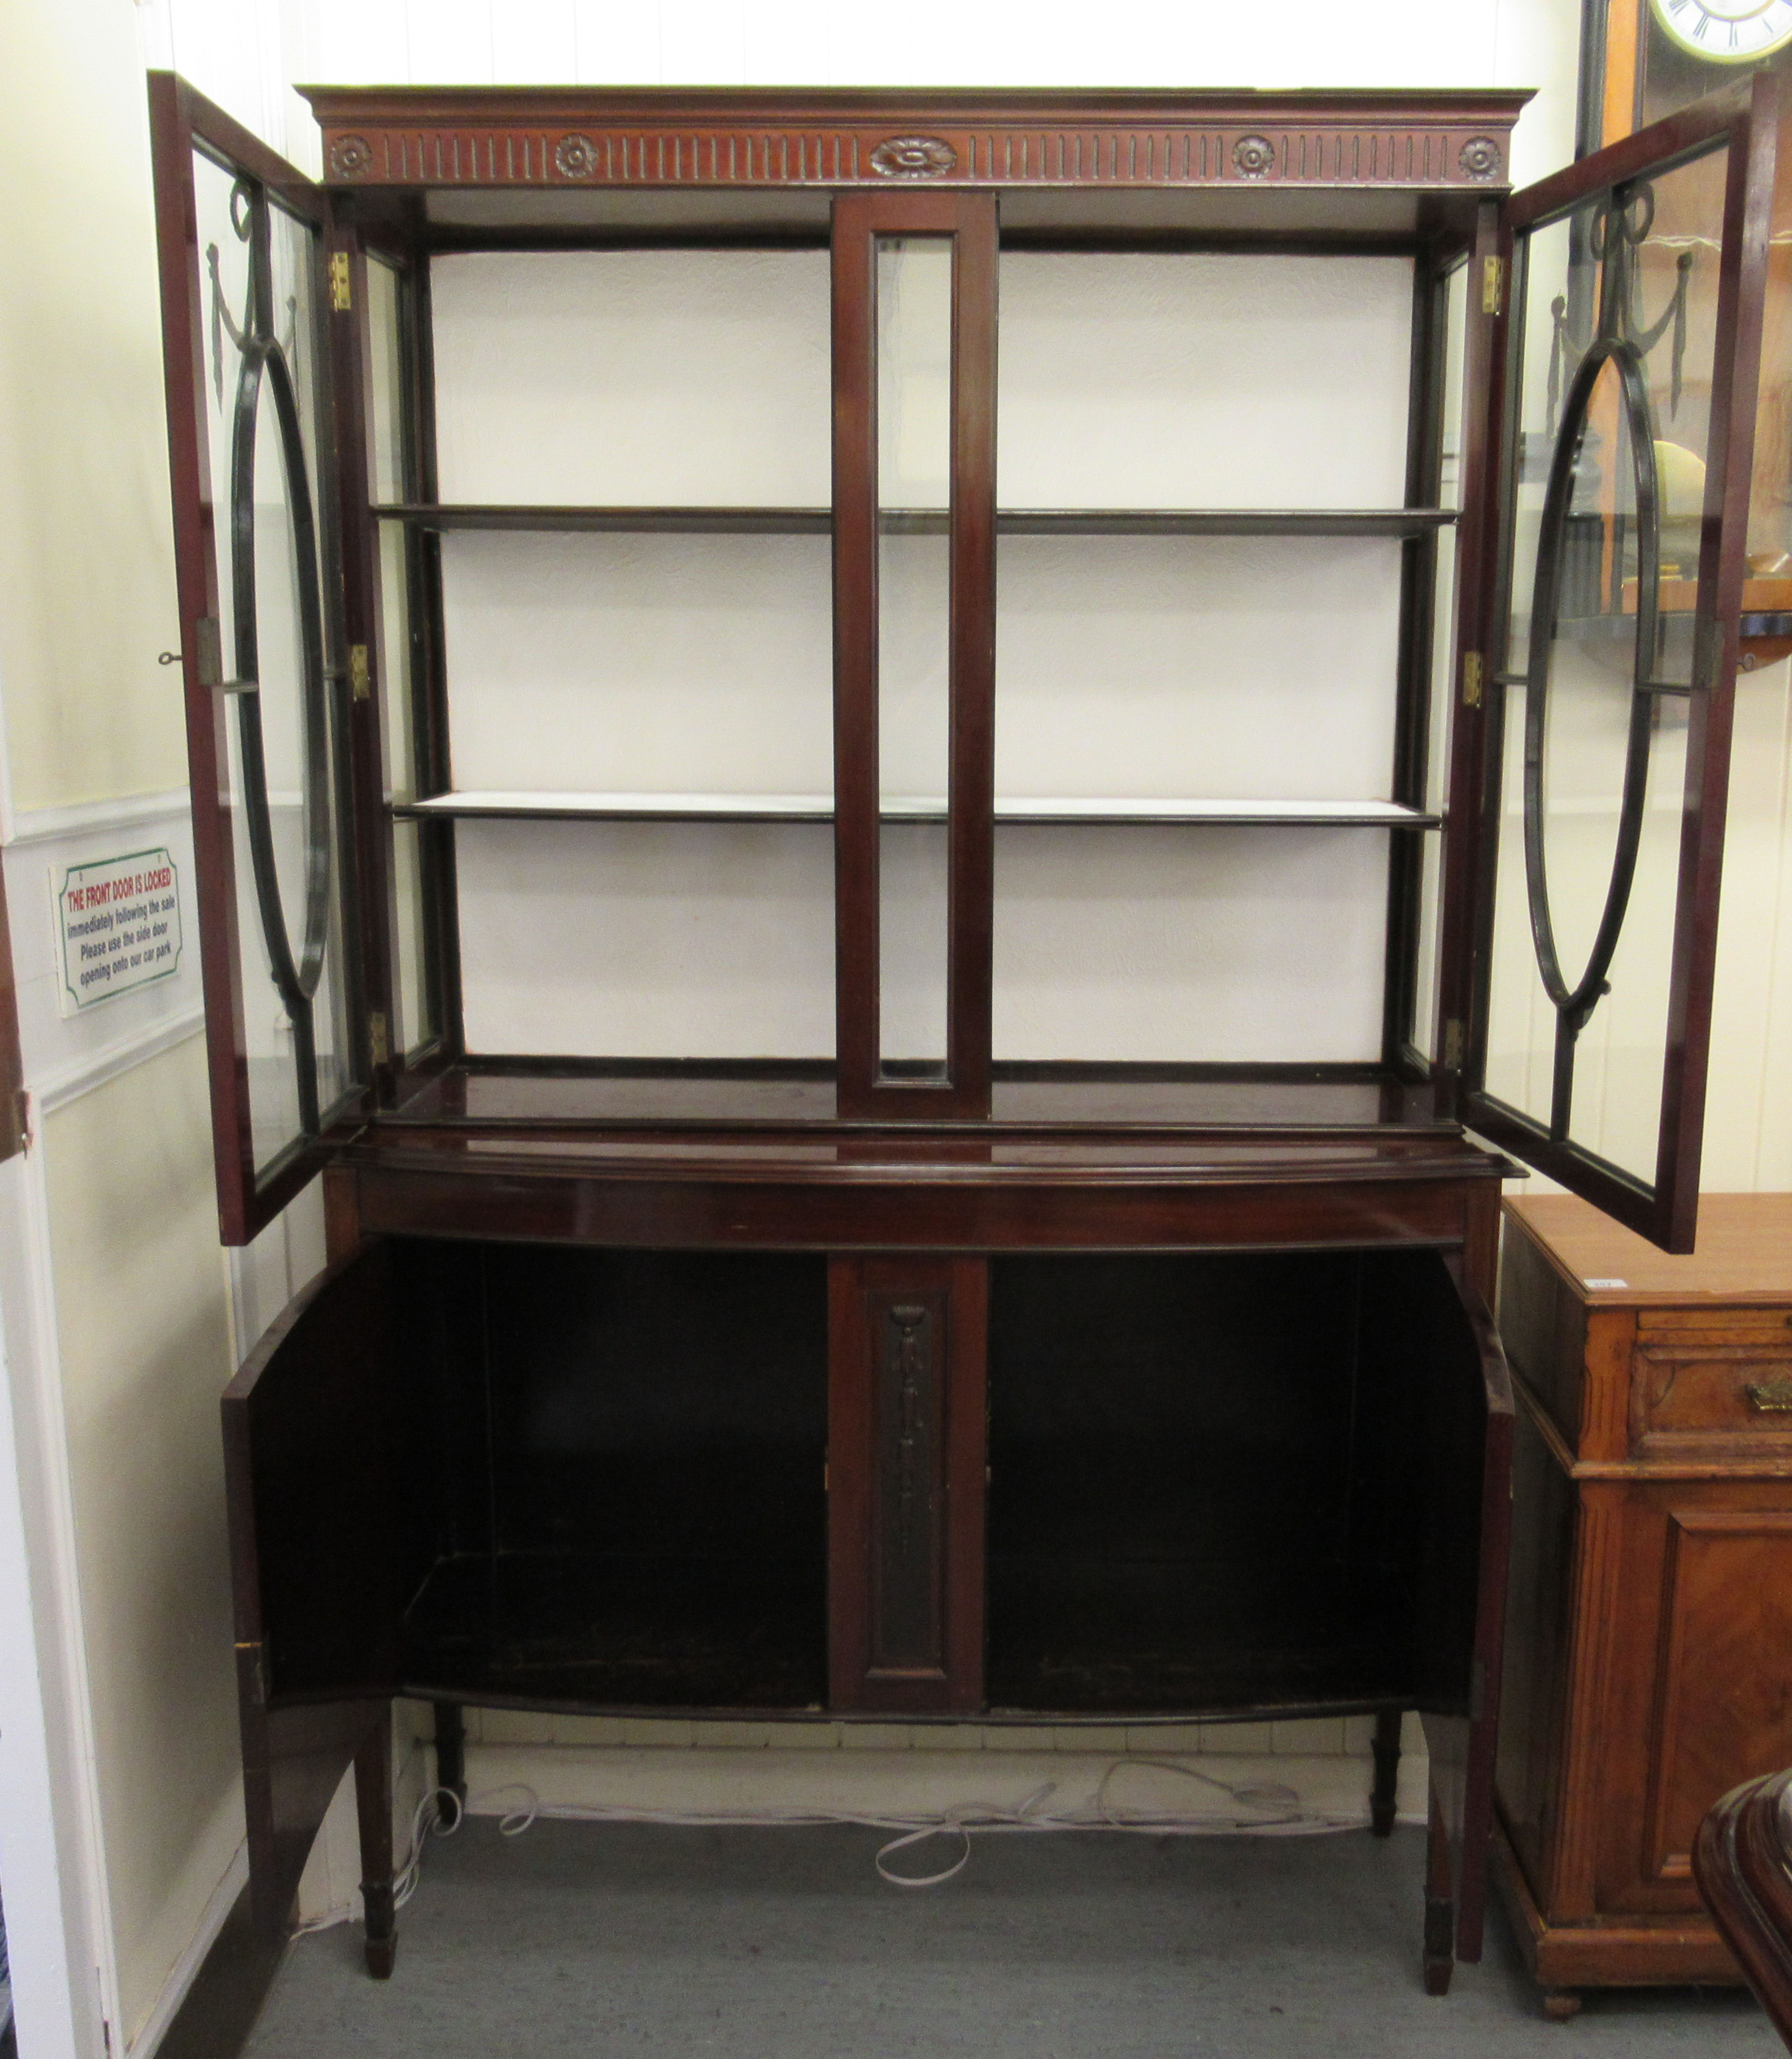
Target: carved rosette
[[914, 157], [575, 157], [1254, 156], [1479, 157], [351, 157]]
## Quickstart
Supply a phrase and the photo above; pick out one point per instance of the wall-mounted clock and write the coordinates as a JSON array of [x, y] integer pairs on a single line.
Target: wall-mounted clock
[[1726, 31], [1642, 59]]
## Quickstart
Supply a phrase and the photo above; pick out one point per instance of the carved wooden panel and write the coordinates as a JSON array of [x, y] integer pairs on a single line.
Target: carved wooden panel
[[905, 1482], [1725, 1708], [429, 137], [908, 1592]]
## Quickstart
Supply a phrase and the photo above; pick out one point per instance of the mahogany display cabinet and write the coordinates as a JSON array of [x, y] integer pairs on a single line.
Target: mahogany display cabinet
[[854, 756]]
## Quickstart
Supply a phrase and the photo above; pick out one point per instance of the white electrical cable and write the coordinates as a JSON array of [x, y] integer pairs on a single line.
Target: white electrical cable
[[1261, 1809]]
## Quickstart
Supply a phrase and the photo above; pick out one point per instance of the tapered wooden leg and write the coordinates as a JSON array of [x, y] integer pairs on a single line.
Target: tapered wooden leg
[[1561, 2005], [373, 1808], [1441, 1909], [451, 1752], [1384, 1793]]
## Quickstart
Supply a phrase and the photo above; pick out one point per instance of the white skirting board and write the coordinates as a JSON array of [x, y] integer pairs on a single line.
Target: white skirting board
[[877, 1769]]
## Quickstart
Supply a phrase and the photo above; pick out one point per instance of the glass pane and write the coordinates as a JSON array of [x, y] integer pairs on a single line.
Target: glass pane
[[386, 469], [415, 1015], [1618, 365], [261, 306], [1442, 697], [1769, 590], [914, 592]]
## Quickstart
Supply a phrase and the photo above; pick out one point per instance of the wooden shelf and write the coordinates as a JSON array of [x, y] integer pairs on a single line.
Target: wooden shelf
[[522, 806], [697, 521], [1010, 522]]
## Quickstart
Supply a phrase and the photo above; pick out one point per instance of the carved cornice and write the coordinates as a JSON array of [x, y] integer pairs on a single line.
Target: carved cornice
[[437, 137]]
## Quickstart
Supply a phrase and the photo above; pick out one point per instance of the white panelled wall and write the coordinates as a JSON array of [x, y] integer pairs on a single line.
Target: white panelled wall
[[115, 1426]]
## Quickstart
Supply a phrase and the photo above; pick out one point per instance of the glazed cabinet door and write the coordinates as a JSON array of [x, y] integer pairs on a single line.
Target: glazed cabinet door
[[254, 287], [1597, 675], [313, 1485], [914, 440], [908, 1341]]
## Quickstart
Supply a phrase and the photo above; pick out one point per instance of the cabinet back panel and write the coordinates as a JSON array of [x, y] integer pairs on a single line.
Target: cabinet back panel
[[1170, 1452], [1230, 1482], [1212, 945], [1224, 667], [624, 1479], [647, 939], [1203, 380], [656, 376], [640, 663], [1192, 667], [1209, 946], [671, 1401]]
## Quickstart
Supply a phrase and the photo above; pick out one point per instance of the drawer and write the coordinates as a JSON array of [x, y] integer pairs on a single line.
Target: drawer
[[1721, 1322], [1691, 1393]]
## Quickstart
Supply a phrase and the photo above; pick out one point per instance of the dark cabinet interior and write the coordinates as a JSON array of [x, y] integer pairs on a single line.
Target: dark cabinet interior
[[1220, 1484], [1230, 1482]]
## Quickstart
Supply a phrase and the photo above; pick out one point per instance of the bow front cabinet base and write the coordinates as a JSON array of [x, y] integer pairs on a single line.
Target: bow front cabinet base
[[860, 772]]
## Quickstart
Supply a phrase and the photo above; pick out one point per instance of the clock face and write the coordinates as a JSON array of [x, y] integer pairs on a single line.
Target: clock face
[[1726, 31]]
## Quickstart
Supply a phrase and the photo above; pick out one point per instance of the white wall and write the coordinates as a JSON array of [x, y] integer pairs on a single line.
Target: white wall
[[239, 51], [118, 1737]]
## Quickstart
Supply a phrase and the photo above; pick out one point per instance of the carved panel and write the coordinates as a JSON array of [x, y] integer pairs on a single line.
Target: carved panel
[[907, 1598], [417, 138], [1724, 1713], [905, 1482]]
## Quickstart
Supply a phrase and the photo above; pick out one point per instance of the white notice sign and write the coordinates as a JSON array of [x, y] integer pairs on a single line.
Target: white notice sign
[[119, 921]]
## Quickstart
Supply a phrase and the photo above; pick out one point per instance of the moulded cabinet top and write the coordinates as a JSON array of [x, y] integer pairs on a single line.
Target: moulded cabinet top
[[1445, 146]]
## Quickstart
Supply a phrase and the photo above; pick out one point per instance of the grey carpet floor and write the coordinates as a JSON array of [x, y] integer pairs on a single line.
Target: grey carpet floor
[[620, 1941]]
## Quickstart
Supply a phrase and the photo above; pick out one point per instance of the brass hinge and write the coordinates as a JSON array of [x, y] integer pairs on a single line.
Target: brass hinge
[[1471, 679], [1452, 1045], [260, 1686], [379, 1039], [341, 299], [1493, 285], [358, 679]]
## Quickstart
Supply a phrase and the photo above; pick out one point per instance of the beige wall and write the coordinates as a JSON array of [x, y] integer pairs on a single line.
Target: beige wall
[[137, 1345], [145, 1345], [86, 582]]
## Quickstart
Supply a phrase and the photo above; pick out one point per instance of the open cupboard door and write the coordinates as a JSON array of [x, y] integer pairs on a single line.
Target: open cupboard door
[[252, 286], [310, 1441], [1597, 650]]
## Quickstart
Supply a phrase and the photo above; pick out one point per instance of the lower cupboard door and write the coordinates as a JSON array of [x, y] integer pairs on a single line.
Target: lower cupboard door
[[309, 1449], [1430, 1350], [1696, 1694]]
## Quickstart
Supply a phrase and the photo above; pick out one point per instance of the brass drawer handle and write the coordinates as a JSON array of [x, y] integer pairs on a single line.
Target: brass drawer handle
[[1772, 1396]]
